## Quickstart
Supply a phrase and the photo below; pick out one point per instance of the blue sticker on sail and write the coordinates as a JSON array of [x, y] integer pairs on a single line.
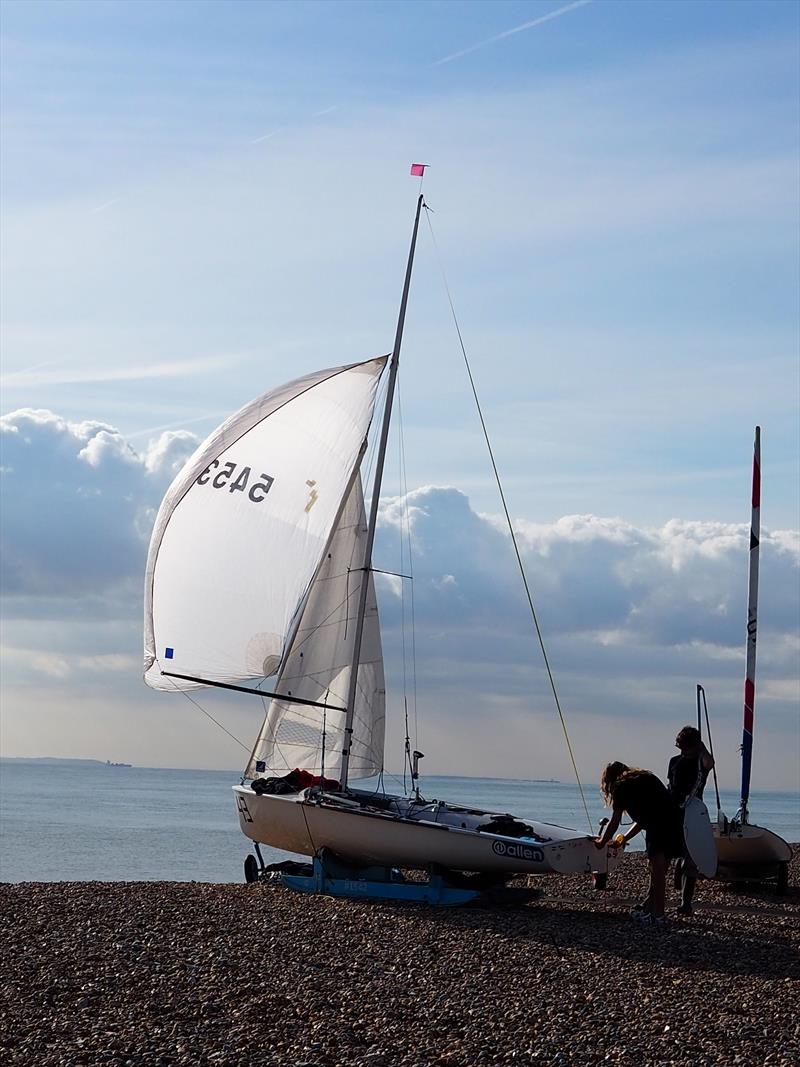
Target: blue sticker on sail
[[261, 766], [169, 653]]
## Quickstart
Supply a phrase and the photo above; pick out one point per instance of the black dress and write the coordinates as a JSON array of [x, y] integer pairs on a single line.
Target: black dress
[[646, 800]]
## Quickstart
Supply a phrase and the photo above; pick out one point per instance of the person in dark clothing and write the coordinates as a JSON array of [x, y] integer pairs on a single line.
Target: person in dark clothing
[[687, 775], [646, 800], [688, 771]]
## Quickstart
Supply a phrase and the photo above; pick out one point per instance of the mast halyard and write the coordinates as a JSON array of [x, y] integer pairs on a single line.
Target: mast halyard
[[373, 511], [752, 628]]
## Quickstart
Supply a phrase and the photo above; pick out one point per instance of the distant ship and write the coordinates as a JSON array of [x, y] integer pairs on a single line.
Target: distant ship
[[110, 764]]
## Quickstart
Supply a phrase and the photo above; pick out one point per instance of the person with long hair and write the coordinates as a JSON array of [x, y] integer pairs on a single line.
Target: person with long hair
[[645, 799]]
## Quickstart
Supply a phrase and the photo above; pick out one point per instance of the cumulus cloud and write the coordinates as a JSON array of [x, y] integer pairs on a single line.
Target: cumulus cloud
[[78, 504], [633, 616], [167, 454], [681, 583]]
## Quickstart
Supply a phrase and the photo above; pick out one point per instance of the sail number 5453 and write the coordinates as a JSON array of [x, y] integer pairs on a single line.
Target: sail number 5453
[[228, 478]]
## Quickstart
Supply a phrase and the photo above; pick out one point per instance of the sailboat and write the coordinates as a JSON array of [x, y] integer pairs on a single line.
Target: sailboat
[[260, 567], [746, 851]]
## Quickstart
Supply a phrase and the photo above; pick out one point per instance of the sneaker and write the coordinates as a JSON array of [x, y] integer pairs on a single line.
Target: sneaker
[[684, 909], [658, 920], [640, 914]]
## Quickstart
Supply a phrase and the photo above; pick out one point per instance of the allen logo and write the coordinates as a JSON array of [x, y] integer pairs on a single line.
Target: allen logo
[[518, 852]]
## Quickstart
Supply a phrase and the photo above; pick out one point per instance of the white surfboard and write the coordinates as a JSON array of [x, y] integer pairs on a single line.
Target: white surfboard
[[699, 837]]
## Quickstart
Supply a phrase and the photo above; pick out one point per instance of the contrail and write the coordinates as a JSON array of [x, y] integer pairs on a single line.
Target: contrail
[[517, 29], [102, 207], [79, 376], [279, 129], [176, 425], [265, 136]]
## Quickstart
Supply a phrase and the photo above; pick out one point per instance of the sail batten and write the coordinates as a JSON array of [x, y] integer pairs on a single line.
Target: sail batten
[[243, 528]]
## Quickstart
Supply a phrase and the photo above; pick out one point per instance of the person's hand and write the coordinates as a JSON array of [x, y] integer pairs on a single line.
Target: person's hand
[[599, 842]]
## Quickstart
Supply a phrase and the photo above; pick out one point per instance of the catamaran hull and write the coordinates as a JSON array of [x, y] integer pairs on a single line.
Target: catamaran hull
[[295, 824]]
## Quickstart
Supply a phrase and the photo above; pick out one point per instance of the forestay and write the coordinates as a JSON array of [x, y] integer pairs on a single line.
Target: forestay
[[243, 528], [318, 665]]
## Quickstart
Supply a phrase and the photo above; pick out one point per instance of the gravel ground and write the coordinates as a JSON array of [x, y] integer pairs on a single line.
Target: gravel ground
[[171, 973]]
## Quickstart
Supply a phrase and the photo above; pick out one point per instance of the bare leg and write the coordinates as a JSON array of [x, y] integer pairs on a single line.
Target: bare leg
[[678, 873], [658, 884], [688, 884]]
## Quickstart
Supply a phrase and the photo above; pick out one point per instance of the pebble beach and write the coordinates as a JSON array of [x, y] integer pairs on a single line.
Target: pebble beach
[[162, 973]]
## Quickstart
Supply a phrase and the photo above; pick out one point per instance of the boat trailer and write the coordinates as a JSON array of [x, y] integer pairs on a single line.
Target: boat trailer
[[331, 875]]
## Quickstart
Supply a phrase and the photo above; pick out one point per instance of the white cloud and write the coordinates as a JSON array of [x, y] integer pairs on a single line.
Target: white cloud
[[632, 616], [679, 583], [168, 453], [62, 666], [78, 504]]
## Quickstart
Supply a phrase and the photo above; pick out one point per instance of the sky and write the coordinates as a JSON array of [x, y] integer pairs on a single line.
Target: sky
[[201, 201]]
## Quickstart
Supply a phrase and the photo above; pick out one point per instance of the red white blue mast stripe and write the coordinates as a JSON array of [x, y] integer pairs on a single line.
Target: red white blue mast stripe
[[752, 627]]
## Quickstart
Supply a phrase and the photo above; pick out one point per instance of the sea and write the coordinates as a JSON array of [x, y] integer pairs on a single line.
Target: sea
[[64, 820]]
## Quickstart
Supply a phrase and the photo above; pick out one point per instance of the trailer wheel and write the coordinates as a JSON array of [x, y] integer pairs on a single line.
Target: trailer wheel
[[782, 881], [250, 869]]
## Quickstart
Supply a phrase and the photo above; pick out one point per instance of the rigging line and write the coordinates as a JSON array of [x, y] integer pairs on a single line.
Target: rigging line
[[701, 690], [510, 526], [404, 653], [269, 731], [310, 631], [393, 777], [406, 753], [264, 738], [306, 717], [314, 850], [269, 736], [208, 715], [406, 514]]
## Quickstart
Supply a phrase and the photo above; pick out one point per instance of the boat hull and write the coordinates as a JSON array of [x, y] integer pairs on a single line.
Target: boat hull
[[745, 850], [297, 824]]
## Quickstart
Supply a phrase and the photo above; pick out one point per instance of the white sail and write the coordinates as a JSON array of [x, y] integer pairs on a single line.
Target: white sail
[[318, 665], [242, 529]]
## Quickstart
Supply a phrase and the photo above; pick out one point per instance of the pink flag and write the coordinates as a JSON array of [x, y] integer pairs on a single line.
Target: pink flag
[[418, 169]]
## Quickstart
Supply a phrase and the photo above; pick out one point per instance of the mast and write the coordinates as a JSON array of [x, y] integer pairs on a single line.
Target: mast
[[752, 627], [373, 511]]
